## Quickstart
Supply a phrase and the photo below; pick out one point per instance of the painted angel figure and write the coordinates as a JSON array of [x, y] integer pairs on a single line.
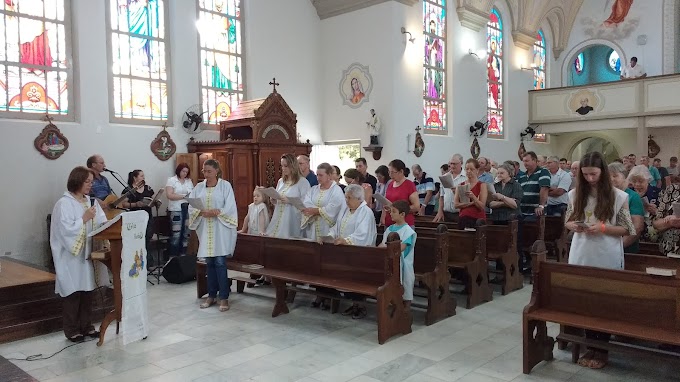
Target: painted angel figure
[[373, 126]]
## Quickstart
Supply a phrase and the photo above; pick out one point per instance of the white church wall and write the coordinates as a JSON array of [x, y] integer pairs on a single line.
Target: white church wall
[[397, 90], [281, 41], [644, 18]]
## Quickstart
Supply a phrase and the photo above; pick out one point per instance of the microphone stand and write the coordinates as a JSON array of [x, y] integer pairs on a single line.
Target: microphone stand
[[113, 174]]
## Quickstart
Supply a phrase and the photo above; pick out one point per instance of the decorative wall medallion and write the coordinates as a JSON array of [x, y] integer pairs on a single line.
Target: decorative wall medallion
[[521, 151], [51, 143], [652, 148], [420, 144], [583, 102], [163, 146], [475, 150], [355, 85]]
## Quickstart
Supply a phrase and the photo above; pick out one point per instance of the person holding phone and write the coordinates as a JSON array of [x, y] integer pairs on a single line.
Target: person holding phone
[[667, 220], [598, 215]]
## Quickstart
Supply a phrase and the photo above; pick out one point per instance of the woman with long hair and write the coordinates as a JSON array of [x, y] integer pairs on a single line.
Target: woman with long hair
[[215, 226], [176, 189], [400, 188], [324, 204], [476, 193], [599, 217], [286, 218], [138, 195]]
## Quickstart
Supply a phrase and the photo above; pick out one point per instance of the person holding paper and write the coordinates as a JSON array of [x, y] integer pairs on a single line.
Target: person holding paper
[[639, 178], [400, 189], [470, 197], [667, 221], [631, 243], [177, 188], [215, 226], [323, 205], [597, 204], [286, 219], [74, 216], [447, 211], [354, 176], [505, 202], [382, 174], [138, 195]]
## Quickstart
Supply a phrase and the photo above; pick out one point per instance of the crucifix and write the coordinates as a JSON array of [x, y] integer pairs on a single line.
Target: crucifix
[[48, 119], [164, 125], [274, 84]]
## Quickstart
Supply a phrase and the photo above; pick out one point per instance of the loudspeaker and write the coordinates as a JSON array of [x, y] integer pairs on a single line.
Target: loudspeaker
[[180, 269]]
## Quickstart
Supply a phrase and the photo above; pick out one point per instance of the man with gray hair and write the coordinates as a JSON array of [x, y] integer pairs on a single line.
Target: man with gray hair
[[574, 173], [560, 182], [447, 212], [541, 160], [303, 162]]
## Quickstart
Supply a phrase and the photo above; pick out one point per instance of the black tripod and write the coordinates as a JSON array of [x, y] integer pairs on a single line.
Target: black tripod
[[159, 239]]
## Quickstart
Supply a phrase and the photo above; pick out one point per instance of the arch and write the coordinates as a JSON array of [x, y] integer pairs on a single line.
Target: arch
[[571, 146], [556, 28], [571, 56]]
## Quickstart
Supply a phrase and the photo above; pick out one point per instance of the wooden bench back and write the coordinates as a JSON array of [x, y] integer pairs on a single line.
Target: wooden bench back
[[554, 228], [464, 246], [369, 265], [502, 238], [639, 263], [532, 231], [619, 295], [432, 249]]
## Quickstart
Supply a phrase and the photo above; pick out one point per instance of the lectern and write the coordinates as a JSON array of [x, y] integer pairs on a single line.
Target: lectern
[[112, 260]]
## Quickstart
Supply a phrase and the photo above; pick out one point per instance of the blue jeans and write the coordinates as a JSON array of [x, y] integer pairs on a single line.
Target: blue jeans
[[217, 277], [180, 231], [555, 209]]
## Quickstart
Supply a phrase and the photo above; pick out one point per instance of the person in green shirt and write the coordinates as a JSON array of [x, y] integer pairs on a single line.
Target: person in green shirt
[[617, 173], [656, 176]]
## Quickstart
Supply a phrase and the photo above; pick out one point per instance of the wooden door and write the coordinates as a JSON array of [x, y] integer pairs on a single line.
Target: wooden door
[[242, 178]]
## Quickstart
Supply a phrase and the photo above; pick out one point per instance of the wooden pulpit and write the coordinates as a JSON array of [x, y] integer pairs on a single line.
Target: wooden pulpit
[[112, 260]]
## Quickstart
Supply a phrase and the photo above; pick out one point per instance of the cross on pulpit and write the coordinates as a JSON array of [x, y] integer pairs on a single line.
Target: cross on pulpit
[[418, 129], [274, 84], [48, 119], [298, 137]]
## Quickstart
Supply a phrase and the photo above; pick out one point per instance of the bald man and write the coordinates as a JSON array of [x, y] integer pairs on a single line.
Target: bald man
[[303, 162]]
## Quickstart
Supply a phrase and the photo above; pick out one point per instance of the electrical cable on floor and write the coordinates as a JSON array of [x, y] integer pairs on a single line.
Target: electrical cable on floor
[[40, 357]]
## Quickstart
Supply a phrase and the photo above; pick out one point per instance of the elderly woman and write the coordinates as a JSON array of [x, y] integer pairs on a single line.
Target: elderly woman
[[639, 178], [324, 203], [353, 176], [667, 222], [74, 216], [505, 201], [617, 174]]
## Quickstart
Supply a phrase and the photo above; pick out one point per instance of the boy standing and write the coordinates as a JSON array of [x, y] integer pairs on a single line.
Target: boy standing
[[407, 235]]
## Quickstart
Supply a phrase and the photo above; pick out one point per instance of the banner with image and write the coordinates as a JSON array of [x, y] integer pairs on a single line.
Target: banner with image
[[135, 316]]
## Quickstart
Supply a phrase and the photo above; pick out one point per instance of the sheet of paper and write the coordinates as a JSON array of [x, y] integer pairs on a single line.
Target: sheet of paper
[[271, 193], [151, 201], [661, 271], [382, 200], [106, 225], [197, 203], [296, 202], [461, 193], [446, 180]]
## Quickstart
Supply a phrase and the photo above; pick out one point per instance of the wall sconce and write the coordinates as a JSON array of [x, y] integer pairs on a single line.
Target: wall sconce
[[411, 39], [531, 67]]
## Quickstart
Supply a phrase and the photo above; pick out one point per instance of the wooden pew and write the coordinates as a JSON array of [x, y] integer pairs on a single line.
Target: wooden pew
[[620, 302], [501, 247], [369, 271], [430, 264], [556, 238]]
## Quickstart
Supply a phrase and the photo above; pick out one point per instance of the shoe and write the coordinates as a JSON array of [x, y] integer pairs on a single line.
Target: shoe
[[93, 334], [208, 303], [359, 313], [350, 311], [224, 305], [325, 305], [77, 338]]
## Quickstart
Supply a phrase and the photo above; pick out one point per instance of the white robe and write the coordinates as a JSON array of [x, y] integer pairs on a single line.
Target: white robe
[[408, 276], [330, 202], [255, 212], [71, 247], [216, 235], [357, 228], [286, 219]]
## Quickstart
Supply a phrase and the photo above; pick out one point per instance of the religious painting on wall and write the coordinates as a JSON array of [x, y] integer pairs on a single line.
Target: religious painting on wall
[[163, 147], [583, 102], [434, 67], [612, 22], [221, 37], [420, 144], [494, 66], [51, 143], [34, 55], [356, 84], [138, 59]]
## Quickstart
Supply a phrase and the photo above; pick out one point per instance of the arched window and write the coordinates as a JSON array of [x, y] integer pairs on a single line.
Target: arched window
[[494, 69], [36, 61], [539, 72], [614, 61], [434, 67], [138, 55], [579, 63], [220, 28]]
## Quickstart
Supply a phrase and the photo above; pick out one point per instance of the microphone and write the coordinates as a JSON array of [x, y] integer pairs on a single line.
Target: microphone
[[92, 201], [110, 171]]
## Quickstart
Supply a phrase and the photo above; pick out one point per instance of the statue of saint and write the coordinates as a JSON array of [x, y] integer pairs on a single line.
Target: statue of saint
[[373, 126]]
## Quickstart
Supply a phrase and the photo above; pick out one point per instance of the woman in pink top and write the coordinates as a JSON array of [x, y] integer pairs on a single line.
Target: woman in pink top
[[400, 189]]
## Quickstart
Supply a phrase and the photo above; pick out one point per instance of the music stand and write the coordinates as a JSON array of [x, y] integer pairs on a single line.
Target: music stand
[[160, 242]]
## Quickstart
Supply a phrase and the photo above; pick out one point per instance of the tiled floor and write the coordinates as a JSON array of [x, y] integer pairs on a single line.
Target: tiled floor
[[310, 345]]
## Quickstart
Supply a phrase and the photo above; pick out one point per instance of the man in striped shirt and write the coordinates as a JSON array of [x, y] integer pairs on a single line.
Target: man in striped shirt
[[535, 183]]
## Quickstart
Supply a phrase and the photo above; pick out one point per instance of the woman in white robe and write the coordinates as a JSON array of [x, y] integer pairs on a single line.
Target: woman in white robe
[[74, 216], [286, 219], [356, 226], [215, 226], [324, 204]]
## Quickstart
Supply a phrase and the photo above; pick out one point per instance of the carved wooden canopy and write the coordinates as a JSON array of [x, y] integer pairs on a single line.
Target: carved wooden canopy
[[262, 120]]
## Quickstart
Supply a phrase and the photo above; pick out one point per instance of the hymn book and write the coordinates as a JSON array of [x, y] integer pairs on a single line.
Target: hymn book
[[447, 180], [661, 271], [271, 193], [382, 200], [462, 189]]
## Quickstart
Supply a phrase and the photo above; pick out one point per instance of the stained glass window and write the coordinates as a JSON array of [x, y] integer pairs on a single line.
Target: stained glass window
[[539, 72], [434, 67], [220, 27], [35, 58], [139, 75], [615, 61], [578, 63], [494, 70]]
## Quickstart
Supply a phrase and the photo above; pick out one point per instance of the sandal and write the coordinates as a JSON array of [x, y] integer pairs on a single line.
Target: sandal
[[599, 360], [93, 334], [208, 303], [350, 311], [359, 313], [586, 358], [224, 305], [77, 338]]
